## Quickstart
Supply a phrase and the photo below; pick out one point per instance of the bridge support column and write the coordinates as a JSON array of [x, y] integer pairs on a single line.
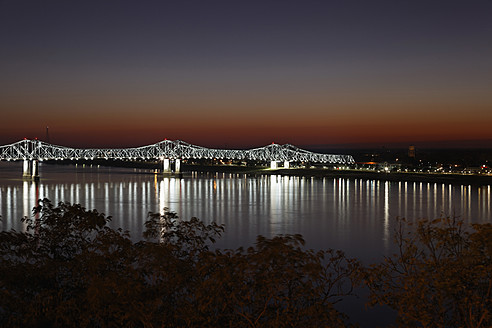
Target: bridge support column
[[286, 164], [177, 166], [26, 171], [35, 169], [273, 165], [166, 166]]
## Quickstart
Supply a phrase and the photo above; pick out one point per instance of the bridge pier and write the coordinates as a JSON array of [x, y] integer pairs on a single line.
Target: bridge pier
[[166, 166], [286, 164], [35, 169], [26, 169], [273, 165], [177, 166], [30, 169]]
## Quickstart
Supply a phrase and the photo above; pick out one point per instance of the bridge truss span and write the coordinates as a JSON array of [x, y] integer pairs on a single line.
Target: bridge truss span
[[37, 150]]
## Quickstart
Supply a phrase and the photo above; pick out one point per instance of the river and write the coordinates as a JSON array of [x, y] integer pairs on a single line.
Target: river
[[355, 215]]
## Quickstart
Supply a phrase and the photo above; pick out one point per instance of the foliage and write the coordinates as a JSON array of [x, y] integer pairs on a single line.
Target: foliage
[[273, 284], [441, 277], [70, 269]]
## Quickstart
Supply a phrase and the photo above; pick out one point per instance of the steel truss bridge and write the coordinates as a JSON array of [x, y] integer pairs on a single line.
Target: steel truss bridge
[[32, 151]]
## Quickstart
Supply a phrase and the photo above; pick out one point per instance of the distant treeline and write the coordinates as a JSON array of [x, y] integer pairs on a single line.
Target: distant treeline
[[458, 156]]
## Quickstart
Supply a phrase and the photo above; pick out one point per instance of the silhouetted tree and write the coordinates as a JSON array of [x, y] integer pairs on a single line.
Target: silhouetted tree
[[70, 269], [441, 276]]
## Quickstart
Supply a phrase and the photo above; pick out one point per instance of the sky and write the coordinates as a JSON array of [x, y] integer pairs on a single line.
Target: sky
[[240, 74]]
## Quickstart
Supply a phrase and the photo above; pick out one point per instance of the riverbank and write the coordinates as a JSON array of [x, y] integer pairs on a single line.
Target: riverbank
[[449, 178], [350, 174], [396, 176]]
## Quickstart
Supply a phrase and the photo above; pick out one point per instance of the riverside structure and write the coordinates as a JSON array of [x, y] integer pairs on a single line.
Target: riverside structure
[[168, 151]]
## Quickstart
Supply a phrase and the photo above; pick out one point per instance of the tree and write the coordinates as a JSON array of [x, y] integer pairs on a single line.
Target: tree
[[276, 283], [441, 276], [70, 269]]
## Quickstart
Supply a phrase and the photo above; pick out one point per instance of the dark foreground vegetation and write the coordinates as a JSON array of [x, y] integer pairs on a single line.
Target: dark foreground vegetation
[[70, 269]]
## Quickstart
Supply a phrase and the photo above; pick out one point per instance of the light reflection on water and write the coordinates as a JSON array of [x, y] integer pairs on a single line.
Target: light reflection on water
[[357, 216], [354, 215]]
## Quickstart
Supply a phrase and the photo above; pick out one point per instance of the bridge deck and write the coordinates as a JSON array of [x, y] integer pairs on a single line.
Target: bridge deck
[[177, 149]]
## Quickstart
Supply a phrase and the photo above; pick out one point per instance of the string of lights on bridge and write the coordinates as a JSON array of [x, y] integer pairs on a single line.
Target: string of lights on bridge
[[32, 151]]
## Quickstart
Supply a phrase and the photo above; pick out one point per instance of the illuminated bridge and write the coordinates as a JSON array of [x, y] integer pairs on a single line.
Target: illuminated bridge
[[33, 151]]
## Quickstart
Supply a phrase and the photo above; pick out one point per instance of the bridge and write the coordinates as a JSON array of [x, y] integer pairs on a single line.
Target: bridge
[[168, 151]]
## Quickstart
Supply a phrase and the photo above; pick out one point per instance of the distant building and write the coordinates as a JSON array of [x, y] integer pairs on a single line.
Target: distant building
[[411, 151]]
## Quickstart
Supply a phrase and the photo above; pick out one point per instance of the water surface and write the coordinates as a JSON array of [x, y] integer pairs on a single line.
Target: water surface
[[354, 215]]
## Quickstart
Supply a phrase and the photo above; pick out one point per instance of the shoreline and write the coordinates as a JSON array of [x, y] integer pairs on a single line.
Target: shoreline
[[451, 178], [446, 178], [351, 174], [394, 177]]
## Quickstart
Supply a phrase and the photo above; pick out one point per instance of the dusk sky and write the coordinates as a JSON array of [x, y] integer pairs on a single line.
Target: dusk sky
[[246, 73]]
